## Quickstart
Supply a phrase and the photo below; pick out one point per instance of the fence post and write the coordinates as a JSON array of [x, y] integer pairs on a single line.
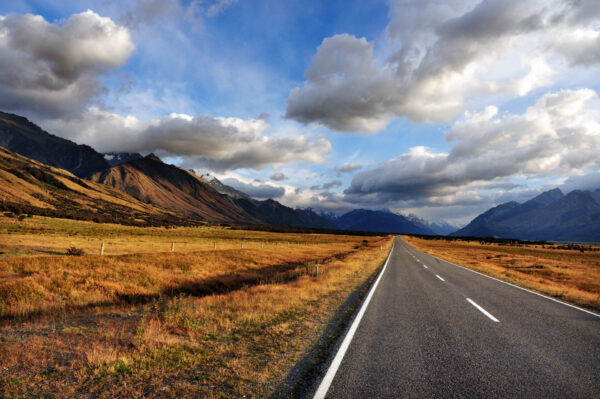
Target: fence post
[[214, 246], [101, 249], [317, 270], [172, 246], [242, 244], [262, 244]]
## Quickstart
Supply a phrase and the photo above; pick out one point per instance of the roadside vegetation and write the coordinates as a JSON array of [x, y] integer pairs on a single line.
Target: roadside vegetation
[[569, 272], [142, 321]]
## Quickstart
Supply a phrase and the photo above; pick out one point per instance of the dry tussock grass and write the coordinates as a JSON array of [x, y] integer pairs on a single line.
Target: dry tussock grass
[[205, 324], [56, 284], [40, 235], [570, 275], [100, 355]]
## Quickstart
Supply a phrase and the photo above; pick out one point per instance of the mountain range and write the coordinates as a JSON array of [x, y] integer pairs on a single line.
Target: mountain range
[[166, 189], [45, 174], [551, 216], [382, 221]]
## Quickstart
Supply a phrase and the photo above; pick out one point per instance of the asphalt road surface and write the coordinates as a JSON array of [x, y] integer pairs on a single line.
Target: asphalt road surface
[[433, 329]]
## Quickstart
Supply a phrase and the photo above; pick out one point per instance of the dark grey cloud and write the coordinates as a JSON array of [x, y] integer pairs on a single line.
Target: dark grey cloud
[[259, 191], [447, 52], [327, 186], [278, 177], [331, 184], [346, 168], [54, 70]]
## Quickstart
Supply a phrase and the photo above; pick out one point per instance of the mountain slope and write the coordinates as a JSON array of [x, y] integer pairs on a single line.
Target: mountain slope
[[481, 225], [550, 216], [150, 180], [224, 189], [19, 135], [272, 212], [31, 187], [117, 158], [380, 221]]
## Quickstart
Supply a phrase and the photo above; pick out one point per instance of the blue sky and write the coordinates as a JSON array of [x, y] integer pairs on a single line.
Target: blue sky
[[440, 109]]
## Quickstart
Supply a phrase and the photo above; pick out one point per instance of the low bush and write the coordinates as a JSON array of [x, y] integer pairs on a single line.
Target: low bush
[[74, 251]]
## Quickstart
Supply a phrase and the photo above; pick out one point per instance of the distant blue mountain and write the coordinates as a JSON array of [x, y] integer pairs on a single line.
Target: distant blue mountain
[[550, 216], [381, 221], [443, 228]]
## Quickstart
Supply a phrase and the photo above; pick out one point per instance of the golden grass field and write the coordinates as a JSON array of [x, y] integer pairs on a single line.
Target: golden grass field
[[142, 321], [566, 274], [23, 238]]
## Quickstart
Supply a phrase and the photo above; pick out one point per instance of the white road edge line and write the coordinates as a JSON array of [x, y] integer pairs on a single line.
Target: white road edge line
[[439, 277], [516, 286], [482, 310], [337, 360]]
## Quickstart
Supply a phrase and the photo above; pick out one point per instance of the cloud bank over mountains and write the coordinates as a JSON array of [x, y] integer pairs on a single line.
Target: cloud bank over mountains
[[216, 143], [559, 135], [508, 88], [452, 62]]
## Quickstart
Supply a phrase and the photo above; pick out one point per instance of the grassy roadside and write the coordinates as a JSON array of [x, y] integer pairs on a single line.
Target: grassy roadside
[[570, 275], [227, 323]]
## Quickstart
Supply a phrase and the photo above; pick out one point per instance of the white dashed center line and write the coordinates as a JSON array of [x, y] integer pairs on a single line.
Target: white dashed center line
[[482, 310], [440, 277], [425, 266]]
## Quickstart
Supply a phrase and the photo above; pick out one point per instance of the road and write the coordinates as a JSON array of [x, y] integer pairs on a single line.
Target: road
[[433, 329]]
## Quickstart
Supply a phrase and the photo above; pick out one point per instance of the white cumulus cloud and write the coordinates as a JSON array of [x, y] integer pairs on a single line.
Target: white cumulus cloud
[[217, 143], [440, 54], [54, 69]]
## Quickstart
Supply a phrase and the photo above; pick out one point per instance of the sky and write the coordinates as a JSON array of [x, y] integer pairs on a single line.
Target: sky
[[436, 108]]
